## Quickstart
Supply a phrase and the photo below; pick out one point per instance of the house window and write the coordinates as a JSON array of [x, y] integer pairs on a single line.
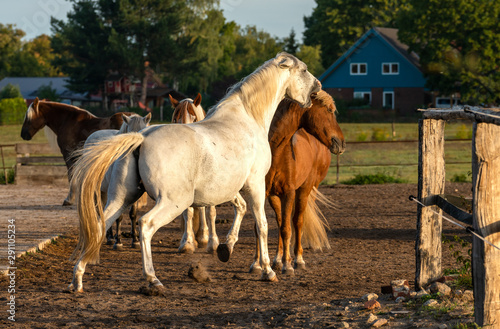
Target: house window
[[359, 68], [366, 96], [390, 68], [388, 101]]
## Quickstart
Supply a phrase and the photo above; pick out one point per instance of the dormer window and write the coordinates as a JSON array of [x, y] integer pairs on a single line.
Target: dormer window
[[359, 68], [390, 68]]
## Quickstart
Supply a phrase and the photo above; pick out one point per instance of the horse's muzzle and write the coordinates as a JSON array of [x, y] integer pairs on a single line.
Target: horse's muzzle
[[25, 135], [338, 146]]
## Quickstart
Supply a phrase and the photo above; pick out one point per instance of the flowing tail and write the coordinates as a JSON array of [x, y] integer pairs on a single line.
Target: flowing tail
[[88, 173], [315, 223]]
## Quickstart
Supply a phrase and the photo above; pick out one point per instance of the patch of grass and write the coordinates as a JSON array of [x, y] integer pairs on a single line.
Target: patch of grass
[[372, 179], [461, 251], [10, 176]]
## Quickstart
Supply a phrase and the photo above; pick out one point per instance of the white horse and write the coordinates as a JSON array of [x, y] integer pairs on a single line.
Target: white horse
[[190, 111], [200, 164], [130, 123]]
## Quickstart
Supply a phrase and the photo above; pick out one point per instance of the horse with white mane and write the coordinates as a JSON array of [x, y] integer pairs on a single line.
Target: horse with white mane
[[200, 164]]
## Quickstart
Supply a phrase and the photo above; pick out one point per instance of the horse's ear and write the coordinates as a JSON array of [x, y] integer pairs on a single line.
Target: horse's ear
[[285, 60], [35, 103], [174, 101], [126, 118], [197, 100], [147, 118]]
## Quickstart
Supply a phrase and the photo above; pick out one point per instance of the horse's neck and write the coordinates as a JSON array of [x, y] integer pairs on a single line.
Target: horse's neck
[[284, 126]]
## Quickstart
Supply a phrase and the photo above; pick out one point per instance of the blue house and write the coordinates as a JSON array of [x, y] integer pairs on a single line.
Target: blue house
[[379, 69]]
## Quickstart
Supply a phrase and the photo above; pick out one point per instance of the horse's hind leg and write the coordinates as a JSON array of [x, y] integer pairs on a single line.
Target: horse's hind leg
[[164, 212], [133, 221], [118, 239], [286, 231]]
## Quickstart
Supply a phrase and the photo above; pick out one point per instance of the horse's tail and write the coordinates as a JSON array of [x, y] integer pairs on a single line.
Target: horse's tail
[[315, 223], [88, 173]]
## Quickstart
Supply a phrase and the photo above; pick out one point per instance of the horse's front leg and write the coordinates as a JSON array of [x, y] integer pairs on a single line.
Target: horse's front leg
[[213, 239], [298, 223], [188, 242], [202, 233], [70, 199], [286, 231], [275, 203], [257, 201], [224, 250]]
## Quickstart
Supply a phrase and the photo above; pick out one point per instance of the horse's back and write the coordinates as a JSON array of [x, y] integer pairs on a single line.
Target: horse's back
[[100, 135], [197, 158]]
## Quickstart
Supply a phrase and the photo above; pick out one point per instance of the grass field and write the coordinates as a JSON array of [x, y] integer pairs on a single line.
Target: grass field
[[394, 159]]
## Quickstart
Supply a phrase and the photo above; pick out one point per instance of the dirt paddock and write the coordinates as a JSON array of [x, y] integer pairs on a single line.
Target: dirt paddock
[[372, 237]]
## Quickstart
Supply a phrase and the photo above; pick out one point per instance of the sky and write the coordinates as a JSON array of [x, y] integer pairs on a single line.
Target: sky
[[277, 17]]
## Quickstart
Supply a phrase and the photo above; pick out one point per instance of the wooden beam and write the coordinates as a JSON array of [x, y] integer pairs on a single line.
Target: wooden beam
[[431, 180], [486, 215]]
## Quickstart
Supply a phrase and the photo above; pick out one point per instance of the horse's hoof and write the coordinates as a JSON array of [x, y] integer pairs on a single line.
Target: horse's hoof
[[110, 242], [255, 269], [288, 271], [277, 266], [202, 244], [269, 277], [300, 266], [136, 245], [223, 252], [118, 246], [71, 289], [186, 249], [154, 290], [67, 203]]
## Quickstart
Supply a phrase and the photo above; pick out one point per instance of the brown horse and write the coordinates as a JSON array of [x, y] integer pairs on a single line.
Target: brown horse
[[301, 141], [70, 124]]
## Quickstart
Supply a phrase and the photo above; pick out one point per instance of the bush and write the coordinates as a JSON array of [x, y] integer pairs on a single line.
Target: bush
[[10, 91], [463, 132], [12, 111], [372, 179]]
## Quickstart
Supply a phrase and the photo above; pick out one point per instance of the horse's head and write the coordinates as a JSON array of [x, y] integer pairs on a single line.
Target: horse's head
[[320, 121], [134, 122], [301, 83], [33, 121], [187, 110]]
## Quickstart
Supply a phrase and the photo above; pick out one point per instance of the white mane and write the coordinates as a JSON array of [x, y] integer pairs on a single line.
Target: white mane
[[256, 91], [52, 139]]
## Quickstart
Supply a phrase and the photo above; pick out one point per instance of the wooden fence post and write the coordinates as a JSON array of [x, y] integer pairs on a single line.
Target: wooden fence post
[[486, 215], [431, 180]]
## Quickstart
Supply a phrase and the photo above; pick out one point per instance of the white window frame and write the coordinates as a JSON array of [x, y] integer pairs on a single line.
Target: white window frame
[[383, 99], [361, 95], [390, 68], [358, 66]]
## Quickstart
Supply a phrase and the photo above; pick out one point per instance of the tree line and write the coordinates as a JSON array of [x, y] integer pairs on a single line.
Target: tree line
[[193, 48]]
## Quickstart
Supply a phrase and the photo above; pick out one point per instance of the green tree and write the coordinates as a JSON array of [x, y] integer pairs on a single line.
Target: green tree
[[336, 24], [458, 42], [48, 93], [10, 44], [116, 35], [291, 45], [10, 91], [311, 55], [34, 59]]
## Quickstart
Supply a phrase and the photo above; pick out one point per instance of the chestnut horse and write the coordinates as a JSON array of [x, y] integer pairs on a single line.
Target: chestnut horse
[[71, 126], [301, 140]]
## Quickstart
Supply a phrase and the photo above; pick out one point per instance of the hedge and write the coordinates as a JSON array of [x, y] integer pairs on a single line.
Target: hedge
[[12, 111]]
